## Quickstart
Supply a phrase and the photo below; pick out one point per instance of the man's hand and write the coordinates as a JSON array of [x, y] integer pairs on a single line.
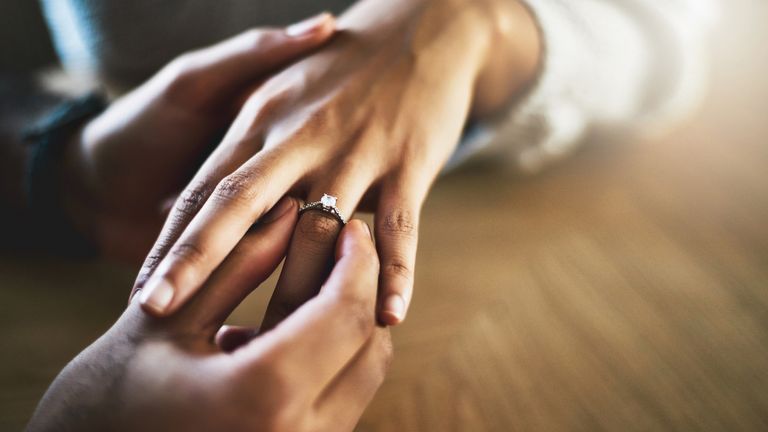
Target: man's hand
[[316, 371], [127, 165]]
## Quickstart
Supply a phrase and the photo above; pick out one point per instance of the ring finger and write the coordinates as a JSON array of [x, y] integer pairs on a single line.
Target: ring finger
[[310, 254]]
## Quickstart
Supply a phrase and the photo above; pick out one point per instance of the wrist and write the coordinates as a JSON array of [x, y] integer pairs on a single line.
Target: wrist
[[512, 60], [495, 43]]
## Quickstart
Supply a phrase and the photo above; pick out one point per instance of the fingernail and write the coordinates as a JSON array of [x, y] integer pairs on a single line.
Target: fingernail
[[394, 309], [368, 230], [308, 26], [157, 295], [281, 208]]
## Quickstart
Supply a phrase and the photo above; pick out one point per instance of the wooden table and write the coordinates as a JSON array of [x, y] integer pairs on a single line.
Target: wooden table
[[624, 290]]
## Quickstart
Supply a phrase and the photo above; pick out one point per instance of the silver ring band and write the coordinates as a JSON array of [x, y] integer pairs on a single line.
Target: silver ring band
[[326, 204]]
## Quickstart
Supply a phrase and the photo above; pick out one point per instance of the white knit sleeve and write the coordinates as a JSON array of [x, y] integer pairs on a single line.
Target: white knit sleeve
[[630, 65]]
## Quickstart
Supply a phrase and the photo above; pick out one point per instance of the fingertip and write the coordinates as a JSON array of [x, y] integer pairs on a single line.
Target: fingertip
[[156, 297], [318, 26], [356, 234], [393, 310], [328, 26]]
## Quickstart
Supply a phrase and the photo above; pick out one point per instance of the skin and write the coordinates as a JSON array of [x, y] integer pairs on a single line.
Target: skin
[[370, 118], [125, 168], [188, 373]]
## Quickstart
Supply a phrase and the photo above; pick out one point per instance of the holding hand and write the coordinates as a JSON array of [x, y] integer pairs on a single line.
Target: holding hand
[[371, 119], [125, 167], [316, 371]]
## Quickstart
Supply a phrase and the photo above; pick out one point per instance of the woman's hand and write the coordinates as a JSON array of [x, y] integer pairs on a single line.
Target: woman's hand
[[126, 166], [370, 119], [317, 371]]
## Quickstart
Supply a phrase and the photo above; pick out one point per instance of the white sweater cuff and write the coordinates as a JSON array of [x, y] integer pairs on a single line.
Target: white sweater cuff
[[600, 69]]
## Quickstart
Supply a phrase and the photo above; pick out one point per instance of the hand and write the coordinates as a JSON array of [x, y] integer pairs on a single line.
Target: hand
[[370, 119], [124, 168], [317, 371]]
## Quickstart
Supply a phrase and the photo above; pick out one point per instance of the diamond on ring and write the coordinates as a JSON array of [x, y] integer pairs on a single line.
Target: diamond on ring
[[328, 200], [326, 204]]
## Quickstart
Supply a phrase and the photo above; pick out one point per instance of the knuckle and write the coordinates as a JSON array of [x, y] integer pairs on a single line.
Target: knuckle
[[319, 228], [399, 222], [398, 267], [192, 199], [267, 105], [145, 273], [186, 252], [181, 78], [155, 256], [149, 265], [152, 260], [180, 66], [236, 188], [325, 116]]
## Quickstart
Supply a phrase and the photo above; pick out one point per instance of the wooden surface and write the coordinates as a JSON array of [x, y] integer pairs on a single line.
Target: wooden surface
[[623, 290]]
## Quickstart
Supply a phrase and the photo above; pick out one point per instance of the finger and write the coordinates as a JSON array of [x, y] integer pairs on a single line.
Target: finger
[[185, 207], [242, 141], [315, 343], [250, 263], [237, 201], [342, 403], [396, 227], [235, 150], [230, 338], [310, 255], [213, 71], [212, 75]]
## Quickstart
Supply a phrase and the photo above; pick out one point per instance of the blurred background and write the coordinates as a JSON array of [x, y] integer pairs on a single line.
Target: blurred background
[[623, 289]]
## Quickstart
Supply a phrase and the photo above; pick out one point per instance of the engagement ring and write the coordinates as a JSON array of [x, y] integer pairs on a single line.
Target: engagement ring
[[326, 204]]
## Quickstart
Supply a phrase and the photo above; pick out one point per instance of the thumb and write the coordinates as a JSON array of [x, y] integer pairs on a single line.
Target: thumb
[[214, 73]]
